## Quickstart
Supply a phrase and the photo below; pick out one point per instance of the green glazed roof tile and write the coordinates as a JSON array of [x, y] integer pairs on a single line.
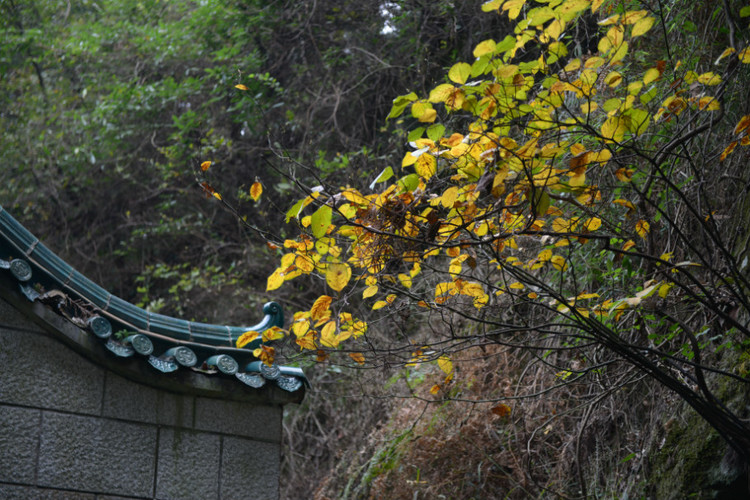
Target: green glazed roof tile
[[167, 343]]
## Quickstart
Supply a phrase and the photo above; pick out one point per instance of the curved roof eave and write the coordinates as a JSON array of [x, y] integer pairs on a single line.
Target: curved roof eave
[[168, 344]]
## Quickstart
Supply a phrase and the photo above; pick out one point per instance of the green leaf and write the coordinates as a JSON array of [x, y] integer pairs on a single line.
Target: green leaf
[[745, 11], [409, 183], [415, 134], [508, 43], [540, 15], [294, 212], [541, 202], [320, 221], [386, 174], [481, 65], [648, 96], [689, 27], [400, 103], [435, 131], [637, 120]]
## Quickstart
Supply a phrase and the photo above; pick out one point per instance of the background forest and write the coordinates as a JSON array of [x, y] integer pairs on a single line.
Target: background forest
[[610, 354]]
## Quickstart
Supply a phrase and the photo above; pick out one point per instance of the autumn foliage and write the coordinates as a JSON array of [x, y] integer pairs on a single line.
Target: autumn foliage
[[532, 168]]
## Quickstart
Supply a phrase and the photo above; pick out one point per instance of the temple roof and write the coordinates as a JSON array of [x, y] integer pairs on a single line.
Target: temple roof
[[165, 343]]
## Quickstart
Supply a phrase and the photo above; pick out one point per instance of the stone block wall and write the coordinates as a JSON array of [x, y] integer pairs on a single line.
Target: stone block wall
[[74, 429]]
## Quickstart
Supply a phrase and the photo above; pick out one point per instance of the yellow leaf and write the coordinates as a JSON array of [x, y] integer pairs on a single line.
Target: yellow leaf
[[614, 128], [559, 262], [651, 75], [593, 224], [435, 389], [624, 174], [728, 150], [275, 280], [273, 333], [708, 104], [306, 341], [205, 165], [627, 204], [620, 53], [633, 16], [744, 55], [664, 289], [338, 275], [370, 291], [241, 87], [459, 72], [613, 79], [491, 5], [409, 159], [354, 196], [442, 92], [570, 7], [560, 225], [256, 190], [379, 305], [628, 245], [577, 149], [453, 251], [423, 111], [501, 410], [300, 328], [246, 338], [742, 125], [642, 228], [513, 7], [573, 65], [321, 308], [709, 78], [555, 29], [265, 354], [358, 357], [616, 35], [328, 335], [449, 197], [445, 364], [516, 286], [426, 166], [610, 20], [727, 52], [642, 26], [405, 280], [485, 47]]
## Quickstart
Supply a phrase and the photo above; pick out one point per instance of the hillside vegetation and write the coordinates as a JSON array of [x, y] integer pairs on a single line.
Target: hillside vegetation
[[510, 236]]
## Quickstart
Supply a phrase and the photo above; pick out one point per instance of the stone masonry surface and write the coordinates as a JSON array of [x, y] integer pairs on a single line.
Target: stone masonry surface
[[72, 429]]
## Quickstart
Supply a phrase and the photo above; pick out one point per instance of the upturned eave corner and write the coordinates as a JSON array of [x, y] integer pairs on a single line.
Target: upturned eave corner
[[151, 348]]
